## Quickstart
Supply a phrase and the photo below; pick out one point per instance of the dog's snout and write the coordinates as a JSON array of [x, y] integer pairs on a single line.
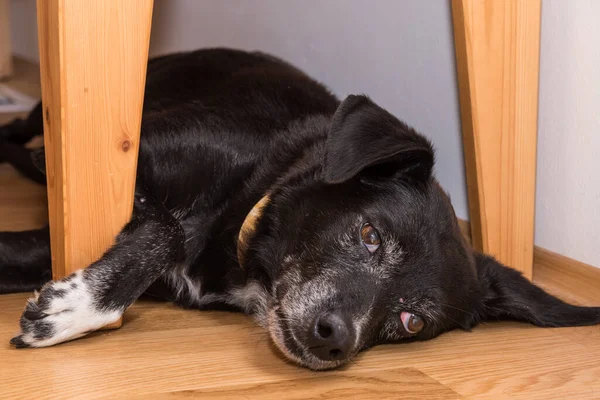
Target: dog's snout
[[331, 337]]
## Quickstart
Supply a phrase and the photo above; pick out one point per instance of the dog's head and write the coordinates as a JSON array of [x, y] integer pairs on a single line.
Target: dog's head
[[371, 252]]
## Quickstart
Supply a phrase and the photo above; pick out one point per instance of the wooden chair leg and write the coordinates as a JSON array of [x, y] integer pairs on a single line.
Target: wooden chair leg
[[497, 52], [93, 57]]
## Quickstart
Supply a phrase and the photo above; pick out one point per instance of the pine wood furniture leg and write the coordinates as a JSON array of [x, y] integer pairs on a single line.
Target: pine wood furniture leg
[[93, 57], [5, 45], [497, 52]]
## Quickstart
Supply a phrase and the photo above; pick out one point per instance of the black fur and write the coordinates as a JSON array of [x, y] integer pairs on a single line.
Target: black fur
[[221, 128], [24, 260]]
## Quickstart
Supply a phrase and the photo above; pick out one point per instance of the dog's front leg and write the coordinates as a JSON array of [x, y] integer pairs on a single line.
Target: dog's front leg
[[150, 244]]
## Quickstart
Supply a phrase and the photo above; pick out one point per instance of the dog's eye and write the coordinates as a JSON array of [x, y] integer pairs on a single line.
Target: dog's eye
[[370, 237], [412, 323]]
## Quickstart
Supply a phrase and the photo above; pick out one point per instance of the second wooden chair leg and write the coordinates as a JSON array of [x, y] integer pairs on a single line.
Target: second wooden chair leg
[[497, 52]]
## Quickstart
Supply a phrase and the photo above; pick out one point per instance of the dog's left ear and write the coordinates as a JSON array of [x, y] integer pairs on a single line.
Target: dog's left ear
[[508, 295], [365, 138]]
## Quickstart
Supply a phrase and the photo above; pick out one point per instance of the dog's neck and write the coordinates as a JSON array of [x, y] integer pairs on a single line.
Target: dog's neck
[[248, 229], [301, 158]]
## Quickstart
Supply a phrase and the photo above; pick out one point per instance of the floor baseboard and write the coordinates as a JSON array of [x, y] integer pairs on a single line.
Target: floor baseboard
[[556, 270], [561, 272]]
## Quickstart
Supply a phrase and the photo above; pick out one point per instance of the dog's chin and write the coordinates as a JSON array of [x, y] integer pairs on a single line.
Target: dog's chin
[[299, 355]]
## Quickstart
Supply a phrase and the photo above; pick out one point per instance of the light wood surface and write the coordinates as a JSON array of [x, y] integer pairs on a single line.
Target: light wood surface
[[5, 42], [93, 58], [497, 52], [163, 351], [393, 383]]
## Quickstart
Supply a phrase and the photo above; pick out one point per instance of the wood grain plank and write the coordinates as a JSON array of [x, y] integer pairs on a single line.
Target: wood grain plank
[[164, 349], [22, 204], [497, 51], [404, 383], [6, 65], [93, 59]]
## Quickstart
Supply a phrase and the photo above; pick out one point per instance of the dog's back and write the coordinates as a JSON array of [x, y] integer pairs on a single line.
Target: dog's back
[[219, 128], [219, 108]]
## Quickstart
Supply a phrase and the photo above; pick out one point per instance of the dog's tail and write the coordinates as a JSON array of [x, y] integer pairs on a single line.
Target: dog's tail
[[21, 131], [14, 136]]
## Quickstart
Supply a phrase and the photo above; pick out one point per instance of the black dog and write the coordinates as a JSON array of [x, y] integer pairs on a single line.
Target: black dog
[[258, 190]]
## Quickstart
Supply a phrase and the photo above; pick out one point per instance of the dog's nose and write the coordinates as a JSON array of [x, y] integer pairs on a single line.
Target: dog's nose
[[331, 337]]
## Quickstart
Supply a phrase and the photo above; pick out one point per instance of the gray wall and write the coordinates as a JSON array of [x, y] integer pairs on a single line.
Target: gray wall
[[568, 168], [401, 53]]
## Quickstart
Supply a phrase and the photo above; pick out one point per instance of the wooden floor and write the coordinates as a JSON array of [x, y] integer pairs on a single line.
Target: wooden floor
[[163, 351]]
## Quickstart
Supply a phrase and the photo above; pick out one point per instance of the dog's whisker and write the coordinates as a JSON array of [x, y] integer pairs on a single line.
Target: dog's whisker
[[191, 238], [456, 308]]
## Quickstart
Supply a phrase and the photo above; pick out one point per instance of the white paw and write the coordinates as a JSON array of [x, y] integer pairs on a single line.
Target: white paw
[[62, 310]]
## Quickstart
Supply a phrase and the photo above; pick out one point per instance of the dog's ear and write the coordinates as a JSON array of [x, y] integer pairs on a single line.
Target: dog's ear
[[365, 138], [508, 295]]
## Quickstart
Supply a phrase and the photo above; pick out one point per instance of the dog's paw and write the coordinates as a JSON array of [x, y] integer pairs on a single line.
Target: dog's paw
[[62, 310]]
